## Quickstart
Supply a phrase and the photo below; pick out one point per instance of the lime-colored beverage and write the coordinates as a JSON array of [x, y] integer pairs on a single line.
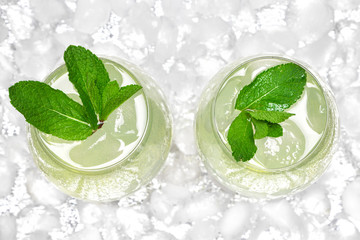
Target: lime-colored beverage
[[124, 154], [281, 165]]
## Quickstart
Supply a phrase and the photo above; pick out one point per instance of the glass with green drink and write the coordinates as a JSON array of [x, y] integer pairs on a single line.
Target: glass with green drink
[[267, 126], [119, 155]]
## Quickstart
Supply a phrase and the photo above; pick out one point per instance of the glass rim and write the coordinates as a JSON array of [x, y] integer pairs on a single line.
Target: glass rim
[[327, 96], [62, 70]]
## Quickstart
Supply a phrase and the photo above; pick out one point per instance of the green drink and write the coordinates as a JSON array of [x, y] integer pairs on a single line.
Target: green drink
[[124, 154], [281, 165]]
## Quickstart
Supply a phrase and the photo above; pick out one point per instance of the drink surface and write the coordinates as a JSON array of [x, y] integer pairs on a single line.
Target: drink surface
[[301, 131], [117, 138]]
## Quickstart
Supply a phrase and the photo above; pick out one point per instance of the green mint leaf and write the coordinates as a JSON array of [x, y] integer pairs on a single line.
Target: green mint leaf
[[275, 89], [53, 112], [261, 128], [50, 110], [89, 76], [263, 102], [111, 89], [114, 100], [241, 138], [270, 116], [274, 130]]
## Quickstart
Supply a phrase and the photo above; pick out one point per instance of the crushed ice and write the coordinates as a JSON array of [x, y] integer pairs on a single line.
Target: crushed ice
[[181, 43]]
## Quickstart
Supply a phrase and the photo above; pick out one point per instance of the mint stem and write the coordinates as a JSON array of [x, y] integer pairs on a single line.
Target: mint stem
[[101, 124]]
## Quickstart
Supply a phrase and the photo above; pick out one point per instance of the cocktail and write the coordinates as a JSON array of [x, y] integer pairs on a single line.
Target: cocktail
[[282, 164], [125, 152]]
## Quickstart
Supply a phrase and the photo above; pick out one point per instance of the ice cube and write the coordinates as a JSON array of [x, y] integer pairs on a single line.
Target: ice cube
[[173, 175], [121, 8], [319, 53], [110, 231], [203, 230], [176, 10], [191, 51], [37, 56], [39, 235], [12, 121], [181, 79], [88, 233], [150, 27], [158, 235], [205, 29], [245, 20], [41, 190], [345, 230], [341, 75], [251, 44], [50, 11], [200, 206], [282, 38], [48, 221], [184, 169], [282, 215], [176, 193], [73, 37], [39, 221], [347, 32], [134, 223], [107, 49], [161, 206], [90, 15], [21, 22], [206, 8], [7, 72], [90, 213], [8, 227], [351, 198], [256, 4], [310, 20], [135, 36], [3, 30], [347, 102], [235, 220], [185, 139], [165, 46], [8, 172], [272, 17], [344, 4], [315, 202], [216, 34], [207, 66]]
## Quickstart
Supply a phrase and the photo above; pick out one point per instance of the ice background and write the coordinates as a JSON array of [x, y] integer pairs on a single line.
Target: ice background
[[182, 44]]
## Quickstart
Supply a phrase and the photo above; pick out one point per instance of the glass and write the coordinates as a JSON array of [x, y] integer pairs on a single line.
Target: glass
[[281, 165], [126, 153]]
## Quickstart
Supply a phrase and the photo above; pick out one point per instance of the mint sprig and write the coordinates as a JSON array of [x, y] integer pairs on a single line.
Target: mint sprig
[[53, 112], [262, 104], [50, 110]]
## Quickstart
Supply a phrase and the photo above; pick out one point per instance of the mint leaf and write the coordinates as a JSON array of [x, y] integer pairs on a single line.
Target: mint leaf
[[114, 100], [89, 76], [270, 116], [241, 138], [261, 128], [50, 110], [274, 130], [275, 89], [53, 112], [262, 103], [111, 89]]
